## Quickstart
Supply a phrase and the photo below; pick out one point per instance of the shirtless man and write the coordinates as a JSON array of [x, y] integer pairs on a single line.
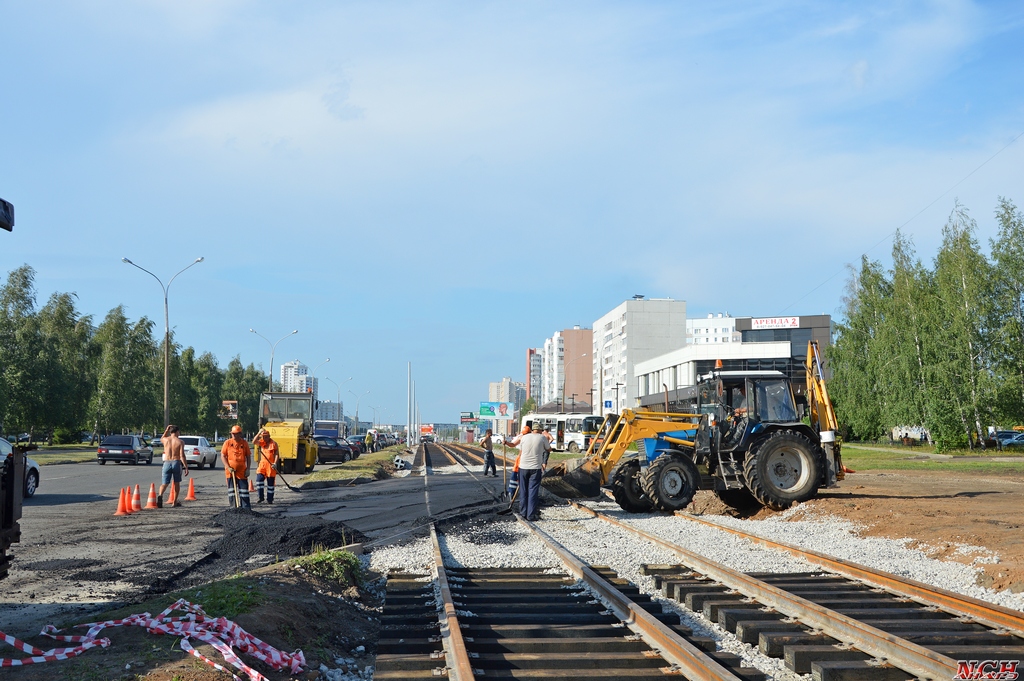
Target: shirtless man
[[174, 464]]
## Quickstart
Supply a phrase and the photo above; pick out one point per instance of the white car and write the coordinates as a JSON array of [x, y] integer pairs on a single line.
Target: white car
[[198, 451], [31, 468]]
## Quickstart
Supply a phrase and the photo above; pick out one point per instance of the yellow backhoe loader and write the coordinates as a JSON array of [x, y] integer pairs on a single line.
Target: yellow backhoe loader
[[740, 435]]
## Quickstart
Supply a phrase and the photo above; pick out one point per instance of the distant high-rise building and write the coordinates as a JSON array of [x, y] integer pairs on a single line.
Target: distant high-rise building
[[534, 373], [295, 378], [506, 390], [564, 370], [330, 411], [715, 328], [634, 331]]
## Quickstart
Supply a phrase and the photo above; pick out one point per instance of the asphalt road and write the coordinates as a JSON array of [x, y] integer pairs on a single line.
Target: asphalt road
[[74, 483], [76, 557]]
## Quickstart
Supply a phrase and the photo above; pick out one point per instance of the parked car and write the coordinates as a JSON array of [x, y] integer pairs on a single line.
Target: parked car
[[199, 451], [121, 448], [31, 468], [1016, 441], [358, 444], [329, 449]]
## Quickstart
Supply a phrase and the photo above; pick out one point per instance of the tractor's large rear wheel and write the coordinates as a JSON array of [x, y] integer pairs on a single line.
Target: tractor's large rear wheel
[[670, 482], [783, 469], [739, 500], [627, 490]]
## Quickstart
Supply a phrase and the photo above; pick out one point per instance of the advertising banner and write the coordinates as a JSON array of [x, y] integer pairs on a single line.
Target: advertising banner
[[501, 411], [467, 417], [427, 429], [775, 323]]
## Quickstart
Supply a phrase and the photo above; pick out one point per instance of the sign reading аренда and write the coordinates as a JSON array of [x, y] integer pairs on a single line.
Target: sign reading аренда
[[775, 323]]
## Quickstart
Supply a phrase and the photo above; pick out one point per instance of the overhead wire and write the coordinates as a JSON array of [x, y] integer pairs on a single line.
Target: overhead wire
[[911, 218]]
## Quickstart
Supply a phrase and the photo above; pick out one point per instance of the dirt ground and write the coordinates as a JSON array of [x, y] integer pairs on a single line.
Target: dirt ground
[[939, 511], [332, 625]]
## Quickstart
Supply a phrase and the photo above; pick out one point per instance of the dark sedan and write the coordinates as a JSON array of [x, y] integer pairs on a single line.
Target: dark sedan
[[358, 444], [121, 448], [329, 449]]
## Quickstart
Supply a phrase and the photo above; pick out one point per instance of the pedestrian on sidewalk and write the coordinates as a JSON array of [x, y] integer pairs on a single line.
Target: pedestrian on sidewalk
[[269, 460], [237, 458], [488, 446], [369, 442], [533, 460], [174, 464]]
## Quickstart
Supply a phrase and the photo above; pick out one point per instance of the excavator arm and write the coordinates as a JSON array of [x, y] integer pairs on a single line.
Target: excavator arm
[[584, 477], [822, 413]]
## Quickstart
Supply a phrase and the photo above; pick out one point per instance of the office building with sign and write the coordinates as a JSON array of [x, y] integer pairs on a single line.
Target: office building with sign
[[765, 343]]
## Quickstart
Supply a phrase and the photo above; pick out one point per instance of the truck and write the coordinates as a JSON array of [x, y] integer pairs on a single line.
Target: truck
[[740, 436], [288, 417]]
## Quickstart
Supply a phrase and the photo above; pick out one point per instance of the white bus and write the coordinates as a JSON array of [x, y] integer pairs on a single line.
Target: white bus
[[572, 432]]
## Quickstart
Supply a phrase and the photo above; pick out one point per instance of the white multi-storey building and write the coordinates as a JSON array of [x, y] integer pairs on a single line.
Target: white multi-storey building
[[330, 411], [295, 378], [534, 373], [715, 328], [636, 330], [563, 368]]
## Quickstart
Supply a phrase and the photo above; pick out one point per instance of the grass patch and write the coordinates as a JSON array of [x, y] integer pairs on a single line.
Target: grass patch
[[228, 597], [338, 566], [366, 466], [903, 458], [69, 456]]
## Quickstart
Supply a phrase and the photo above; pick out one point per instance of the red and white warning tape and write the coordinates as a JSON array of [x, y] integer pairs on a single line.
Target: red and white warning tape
[[221, 633]]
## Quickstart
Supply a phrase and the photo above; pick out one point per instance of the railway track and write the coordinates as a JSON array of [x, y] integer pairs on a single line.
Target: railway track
[[844, 622], [864, 624], [574, 624]]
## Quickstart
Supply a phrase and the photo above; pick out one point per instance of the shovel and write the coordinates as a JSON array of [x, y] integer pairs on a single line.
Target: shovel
[[511, 504], [238, 499]]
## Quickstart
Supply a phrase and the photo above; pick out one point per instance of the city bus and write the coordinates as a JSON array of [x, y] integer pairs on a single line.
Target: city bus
[[572, 432]]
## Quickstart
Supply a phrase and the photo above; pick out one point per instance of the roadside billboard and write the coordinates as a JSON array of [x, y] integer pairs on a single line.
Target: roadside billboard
[[467, 417], [229, 409], [427, 429], [501, 411]]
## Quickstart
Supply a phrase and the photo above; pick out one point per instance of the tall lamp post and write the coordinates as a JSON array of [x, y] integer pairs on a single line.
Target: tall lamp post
[[312, 376], [358, 397], [167, 334], [273, 347], [336, 385], [565, 374], [617, 386]]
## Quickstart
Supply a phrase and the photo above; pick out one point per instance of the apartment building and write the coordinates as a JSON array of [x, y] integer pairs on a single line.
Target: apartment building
[[635, 331], [295, 378], [565, 369], [715, 328]]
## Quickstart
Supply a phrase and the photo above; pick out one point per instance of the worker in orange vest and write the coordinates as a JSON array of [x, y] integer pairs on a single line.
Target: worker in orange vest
[[237, 458], [266, 472]]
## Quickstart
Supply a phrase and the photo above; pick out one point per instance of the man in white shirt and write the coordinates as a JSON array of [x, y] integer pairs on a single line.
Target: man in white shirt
[[533, 460]]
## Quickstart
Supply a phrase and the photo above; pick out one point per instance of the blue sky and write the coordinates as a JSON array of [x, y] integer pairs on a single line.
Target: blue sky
[[450, 183]]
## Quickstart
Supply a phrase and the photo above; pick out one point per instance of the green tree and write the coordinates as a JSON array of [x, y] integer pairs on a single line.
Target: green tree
[[1008, 268], [23, 365], [245, 384], [126, 395], [858, 359], [962, 405], [208, 382], [68, 379]]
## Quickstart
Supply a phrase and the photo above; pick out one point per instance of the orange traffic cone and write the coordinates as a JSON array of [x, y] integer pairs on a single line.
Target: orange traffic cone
[[191, 496], [128, 500], [151, 501], [121, 505], [136, 500], [252, 487], [173, 497]]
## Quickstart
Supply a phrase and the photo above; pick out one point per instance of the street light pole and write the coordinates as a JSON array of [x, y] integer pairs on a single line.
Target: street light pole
[[358, 397], [167, 334], [273, 347], [316, 393], [617, 386]]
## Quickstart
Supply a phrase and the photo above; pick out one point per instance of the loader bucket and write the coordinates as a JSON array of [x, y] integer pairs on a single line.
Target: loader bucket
[[574, 479]]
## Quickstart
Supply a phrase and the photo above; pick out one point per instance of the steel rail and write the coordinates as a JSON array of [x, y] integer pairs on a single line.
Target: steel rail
[[451, 631], [694, 662], [871, 640], [985, 613]]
